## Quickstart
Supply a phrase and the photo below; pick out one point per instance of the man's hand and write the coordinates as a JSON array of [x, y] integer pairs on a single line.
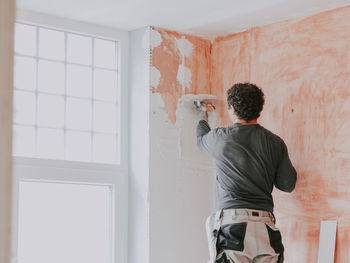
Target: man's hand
[[204, 115], [201, 108]]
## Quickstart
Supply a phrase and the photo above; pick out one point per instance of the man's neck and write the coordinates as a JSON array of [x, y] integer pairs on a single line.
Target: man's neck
[[247, 122]]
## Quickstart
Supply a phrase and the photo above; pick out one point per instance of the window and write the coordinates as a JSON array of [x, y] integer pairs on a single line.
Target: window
[[70, 142], [66, 94], [83, 236]]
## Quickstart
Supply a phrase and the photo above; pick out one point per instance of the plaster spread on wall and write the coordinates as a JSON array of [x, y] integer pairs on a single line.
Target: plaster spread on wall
[[185, 47], [183, 63], [187, 101], [155, 39], [184, 77], [182, 183], [155, 77], [176, 162], [187, 117]]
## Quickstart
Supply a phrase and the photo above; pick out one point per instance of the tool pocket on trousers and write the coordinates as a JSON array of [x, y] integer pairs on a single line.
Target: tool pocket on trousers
[[223, 259], [231, 237], [276, 241]]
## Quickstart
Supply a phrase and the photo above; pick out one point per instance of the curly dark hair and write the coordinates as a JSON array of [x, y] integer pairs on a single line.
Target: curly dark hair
[[247, 99]]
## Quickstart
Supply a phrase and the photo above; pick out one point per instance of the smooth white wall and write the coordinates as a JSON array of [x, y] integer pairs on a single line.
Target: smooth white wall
[[139, 99], [7, 16]]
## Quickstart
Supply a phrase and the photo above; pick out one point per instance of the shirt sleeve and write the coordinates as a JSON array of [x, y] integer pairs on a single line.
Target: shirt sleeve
[[206, 137], [286, 176]]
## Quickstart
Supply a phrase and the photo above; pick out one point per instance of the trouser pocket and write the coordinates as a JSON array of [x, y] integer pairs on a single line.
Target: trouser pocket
[[231, 237], [276, 241], [223, 259], [224, 237]]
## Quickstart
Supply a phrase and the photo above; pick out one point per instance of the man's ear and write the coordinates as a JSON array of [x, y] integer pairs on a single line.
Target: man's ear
[[232, 114], [232, 109]]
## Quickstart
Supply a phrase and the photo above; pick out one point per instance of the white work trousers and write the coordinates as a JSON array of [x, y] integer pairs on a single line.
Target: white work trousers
[[243, 236]]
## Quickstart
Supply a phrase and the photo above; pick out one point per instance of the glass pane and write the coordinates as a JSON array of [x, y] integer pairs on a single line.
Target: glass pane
[[50, 143], [79, 81], [64, 223], [24, 107], [78, 146], [51, 77], [78, 114], [79, 49], [105, 85], [25, 73], [105, 55], [105, 148], [23, 141], [105, 117], [50, 111], [51, 44], [25, 39]]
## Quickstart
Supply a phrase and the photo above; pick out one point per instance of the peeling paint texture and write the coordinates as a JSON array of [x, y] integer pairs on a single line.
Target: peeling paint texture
[[184, 64]]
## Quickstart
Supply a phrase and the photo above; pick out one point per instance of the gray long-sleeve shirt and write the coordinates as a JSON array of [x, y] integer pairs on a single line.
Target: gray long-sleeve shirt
[[250, 160]]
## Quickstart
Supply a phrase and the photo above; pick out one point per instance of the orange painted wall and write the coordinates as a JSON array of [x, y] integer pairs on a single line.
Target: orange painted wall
[[167, 58], [303, 66]]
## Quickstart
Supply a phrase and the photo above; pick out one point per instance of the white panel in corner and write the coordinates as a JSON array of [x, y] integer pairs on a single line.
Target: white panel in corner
[[327, 242]]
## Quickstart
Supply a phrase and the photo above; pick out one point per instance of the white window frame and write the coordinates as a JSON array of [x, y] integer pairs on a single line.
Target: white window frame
[[116, 176]]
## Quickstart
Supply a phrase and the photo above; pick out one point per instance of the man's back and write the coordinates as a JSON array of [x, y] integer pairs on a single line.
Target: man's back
[[250, 160]]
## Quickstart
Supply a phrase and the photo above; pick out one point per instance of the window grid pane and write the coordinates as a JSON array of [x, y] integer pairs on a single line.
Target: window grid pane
[[79, 49], [51, 44], [66, 96], [25, 73], [25, 39]]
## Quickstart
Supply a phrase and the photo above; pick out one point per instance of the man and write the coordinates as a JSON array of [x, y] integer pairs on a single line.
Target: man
[[250, 160]]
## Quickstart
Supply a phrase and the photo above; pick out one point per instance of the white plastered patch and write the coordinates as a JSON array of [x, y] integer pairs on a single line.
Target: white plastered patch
[[155, 39], [155, 77], [184, 46], [184, 77]]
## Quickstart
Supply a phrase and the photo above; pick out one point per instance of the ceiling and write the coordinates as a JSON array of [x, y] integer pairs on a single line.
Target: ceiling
[[206, 18]]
